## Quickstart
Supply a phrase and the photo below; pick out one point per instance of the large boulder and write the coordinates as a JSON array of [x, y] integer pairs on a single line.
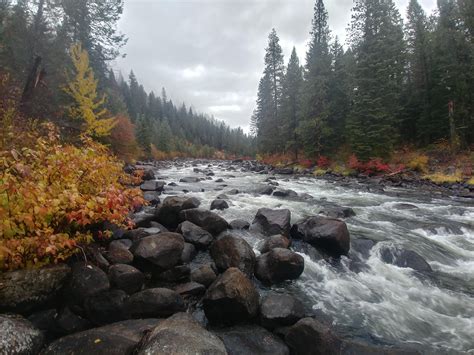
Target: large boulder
[[279, 265], [86, 280], [190, 289], [169, 211], [154, 302], [404, 258], [195, 235], [264, 190], [270, 222], [126, 278], [230, 251], [18, 336], [239, 224], [280, 310], [106, 307], [328, 234], [189, 253], [205, 219], [153, 185], [204, 275], [335, 211], [275, 241], [118, 253], [232, 298], [285, 193], [24, 290], [190, 179], [68, 322], [148, 174], [114, 339], [219, 204], [181, 334], [251, 339], [163, 250]]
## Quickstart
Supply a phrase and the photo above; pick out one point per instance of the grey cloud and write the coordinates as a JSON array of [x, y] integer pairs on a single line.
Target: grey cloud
[[209, 53]]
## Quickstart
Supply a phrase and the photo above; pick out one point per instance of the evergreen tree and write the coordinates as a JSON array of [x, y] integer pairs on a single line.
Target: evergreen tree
[[377, 39], [291, 102]]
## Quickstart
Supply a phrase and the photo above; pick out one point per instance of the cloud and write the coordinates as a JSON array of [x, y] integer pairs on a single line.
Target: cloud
[[209, 53]]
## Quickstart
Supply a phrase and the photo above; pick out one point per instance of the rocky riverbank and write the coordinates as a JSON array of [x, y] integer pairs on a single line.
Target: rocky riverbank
[[185, 282]]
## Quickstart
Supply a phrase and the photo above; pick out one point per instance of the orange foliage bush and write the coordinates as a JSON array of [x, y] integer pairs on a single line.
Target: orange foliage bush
[[51, 195], [122, 139]]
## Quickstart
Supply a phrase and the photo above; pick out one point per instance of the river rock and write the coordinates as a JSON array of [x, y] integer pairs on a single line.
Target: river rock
[[251, 339], [328, 234], [18, 336], [405, 206], [337, 212], [152, 197], [195, 235], [68, 322], [163, 250], [270, 222], [280, 310], [114, 339], [118, 253], [189, 253], [86, 280], [362, 246], [205, 219], [175, 274], [239, 224], [148, 174], [139, 233], [24, 290], [142, 219], [169, 211], [126, 278], [283, 171], [219, 204], [279, 265], [232, 298], [190, 179], [190, 289], [233, 192], [204, 275], [230, 251], [404, 258], [265, 190], [181, 334], [154, 302], [285, 193], [106, 307], [153, 185], [275, 241]]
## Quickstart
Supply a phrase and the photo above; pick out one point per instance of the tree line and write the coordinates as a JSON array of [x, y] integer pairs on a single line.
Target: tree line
[[36, 41], [394, 84]]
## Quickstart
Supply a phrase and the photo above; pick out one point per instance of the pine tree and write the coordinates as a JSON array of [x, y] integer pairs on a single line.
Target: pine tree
[[82, 89], [291, 102], [377, 39], [314, 129]]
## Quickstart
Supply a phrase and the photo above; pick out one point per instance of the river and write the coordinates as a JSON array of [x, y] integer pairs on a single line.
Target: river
[[379, 302]]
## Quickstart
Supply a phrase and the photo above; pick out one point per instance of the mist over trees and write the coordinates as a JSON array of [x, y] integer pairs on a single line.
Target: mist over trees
[[395, 84], [36, 39]]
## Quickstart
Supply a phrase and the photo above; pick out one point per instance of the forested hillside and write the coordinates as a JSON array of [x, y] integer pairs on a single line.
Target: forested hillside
[[395, 84], [35, 47]]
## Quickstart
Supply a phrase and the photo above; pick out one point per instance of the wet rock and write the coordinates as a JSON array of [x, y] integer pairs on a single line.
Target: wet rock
[[86, 280], [118, 253], [362, 246], [265, 190], [175, 274], [46, 322], [239, 224], [270, 222], [18, 336], [152, 197], [148, 175], [222, 197], [230, 251], [283, 171], [205, 219], [275, 241], [152, 185], [195, 235], [181, 334], [219, 180], [190, 289], [189, 253], [280, 310], [24, 290], [142, 219], [337, 212], [154, 302], [404, 258], [251, 339], [232, 298], [233, 192], [139, 233], [126, 278], [219, 205], [169, 211], [285, 193], [279, 265], [123, 243], [114, 339], [204, 275], [67, 322], [405, 206], [163, 250], [106, 307], [328, 234], [190, 179]]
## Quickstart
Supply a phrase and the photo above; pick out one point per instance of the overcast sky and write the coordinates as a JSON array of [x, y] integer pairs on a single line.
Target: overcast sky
[[209, 53]]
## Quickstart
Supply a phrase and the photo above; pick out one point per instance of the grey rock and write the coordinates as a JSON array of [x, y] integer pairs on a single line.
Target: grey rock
[[270, 222]]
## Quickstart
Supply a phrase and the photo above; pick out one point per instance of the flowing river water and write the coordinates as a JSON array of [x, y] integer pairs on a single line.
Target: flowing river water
[[380, 302]]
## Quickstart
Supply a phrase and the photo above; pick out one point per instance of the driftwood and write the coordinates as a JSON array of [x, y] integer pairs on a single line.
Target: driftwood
[[34, 78]]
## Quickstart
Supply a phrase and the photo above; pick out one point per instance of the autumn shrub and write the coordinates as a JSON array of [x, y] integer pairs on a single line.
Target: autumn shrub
[[122, 139], [373, 166], [52, 196], [419, 162], [441, 178], [323, 162]]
